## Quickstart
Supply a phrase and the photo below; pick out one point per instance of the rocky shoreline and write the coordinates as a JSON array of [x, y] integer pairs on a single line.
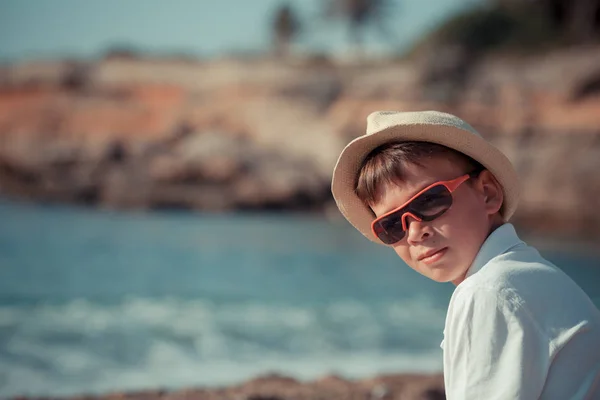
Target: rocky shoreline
[[260, 134], [277, 387]]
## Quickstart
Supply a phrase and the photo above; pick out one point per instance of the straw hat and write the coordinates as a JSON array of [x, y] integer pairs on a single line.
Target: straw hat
[[424, 126]]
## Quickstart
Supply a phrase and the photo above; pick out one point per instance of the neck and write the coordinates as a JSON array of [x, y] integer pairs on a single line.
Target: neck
[[496, 221]]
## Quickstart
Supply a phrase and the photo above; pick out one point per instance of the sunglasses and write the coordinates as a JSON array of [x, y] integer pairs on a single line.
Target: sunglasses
[[427, 205]]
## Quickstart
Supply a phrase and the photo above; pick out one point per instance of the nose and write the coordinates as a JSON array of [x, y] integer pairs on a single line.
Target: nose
[[416, 229]]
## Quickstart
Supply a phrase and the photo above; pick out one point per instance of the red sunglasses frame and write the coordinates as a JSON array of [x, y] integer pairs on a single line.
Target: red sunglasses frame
[[451, 185]]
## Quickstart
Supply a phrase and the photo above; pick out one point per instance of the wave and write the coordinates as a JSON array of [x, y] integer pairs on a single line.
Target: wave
[[140, 343]]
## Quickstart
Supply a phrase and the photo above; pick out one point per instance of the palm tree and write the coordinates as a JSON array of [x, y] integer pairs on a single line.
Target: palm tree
[[360, 14], [576, 20], [285, 28]]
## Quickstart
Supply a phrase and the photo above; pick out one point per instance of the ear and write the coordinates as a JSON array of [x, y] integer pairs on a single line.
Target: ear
[[491, 191]]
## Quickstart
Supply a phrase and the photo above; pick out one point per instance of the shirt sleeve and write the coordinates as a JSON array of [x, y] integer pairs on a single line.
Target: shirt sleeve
[[493, 349]]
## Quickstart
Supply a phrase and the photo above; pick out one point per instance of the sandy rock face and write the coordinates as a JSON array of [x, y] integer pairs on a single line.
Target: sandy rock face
[[257, 134]]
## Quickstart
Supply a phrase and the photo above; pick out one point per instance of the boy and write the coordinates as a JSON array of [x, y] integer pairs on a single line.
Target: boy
[[429, 186]]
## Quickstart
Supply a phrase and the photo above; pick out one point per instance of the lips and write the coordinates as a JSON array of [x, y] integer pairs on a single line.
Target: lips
[[430, 253]]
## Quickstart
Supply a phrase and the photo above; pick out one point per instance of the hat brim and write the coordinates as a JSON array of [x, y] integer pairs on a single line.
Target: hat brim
[[350, 161]]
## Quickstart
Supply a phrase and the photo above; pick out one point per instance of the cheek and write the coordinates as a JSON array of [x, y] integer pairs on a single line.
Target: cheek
[[468, 221], [468, 210]]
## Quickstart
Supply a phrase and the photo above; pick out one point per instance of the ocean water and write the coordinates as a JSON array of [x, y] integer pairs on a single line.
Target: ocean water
[[96, 301]]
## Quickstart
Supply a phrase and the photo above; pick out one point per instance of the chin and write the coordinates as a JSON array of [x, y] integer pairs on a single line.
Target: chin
[[442, 275], [440, 278]]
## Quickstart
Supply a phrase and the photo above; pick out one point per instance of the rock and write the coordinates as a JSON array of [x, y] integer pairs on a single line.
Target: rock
[[131, 132], [279, 387], [380, 392]]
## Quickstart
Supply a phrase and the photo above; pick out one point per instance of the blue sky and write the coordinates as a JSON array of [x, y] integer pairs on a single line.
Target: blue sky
[[85, 28]]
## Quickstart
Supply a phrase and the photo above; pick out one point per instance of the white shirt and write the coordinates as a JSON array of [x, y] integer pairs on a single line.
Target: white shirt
[[519, 328]]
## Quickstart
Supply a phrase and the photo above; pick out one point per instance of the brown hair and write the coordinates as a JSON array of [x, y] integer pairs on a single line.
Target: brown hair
[[384, 165]]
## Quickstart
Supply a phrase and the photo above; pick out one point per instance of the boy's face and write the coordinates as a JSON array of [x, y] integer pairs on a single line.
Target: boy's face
[[455, 237]]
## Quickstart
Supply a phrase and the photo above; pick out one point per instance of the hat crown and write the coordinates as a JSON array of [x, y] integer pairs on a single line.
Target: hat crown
[[380, 120]]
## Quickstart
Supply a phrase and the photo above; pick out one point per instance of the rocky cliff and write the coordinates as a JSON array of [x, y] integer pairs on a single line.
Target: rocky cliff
[[229, 134]]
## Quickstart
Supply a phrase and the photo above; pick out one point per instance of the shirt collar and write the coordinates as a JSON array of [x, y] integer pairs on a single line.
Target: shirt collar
[[498, 242]]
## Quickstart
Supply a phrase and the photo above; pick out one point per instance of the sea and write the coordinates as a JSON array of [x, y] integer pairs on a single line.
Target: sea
[[95, 301]]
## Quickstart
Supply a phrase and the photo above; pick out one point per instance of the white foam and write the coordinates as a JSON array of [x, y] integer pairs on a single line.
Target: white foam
[[168, 367], [84, 347]]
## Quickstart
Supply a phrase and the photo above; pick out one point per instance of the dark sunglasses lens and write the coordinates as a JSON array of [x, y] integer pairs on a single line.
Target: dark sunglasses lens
[[428, 206], [433, 203], [389, 229]]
